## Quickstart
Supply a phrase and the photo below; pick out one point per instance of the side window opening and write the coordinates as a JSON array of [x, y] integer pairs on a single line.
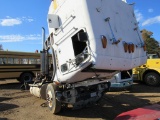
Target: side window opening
[[78, 46]]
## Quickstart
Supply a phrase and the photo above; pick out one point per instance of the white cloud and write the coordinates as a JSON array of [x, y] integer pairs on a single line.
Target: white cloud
[[19, 38], [151, 21], [150, 10], [139, 15], [33, 37], [30, 20], [8, 21]]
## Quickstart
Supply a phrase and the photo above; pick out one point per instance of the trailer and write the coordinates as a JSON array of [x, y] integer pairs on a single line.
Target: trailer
[[90, 43]]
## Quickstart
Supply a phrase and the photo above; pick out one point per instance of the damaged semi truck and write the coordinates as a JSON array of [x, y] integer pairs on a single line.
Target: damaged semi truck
[[90, 41]]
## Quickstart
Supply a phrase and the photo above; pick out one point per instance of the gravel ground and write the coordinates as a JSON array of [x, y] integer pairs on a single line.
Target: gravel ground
[[16, 104]]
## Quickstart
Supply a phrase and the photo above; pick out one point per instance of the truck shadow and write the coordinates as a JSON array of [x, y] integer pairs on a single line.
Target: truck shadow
[[3, 119], [109, 107], [13, 85], [115, 102], [4, 106], [4, 99], [139, 87]]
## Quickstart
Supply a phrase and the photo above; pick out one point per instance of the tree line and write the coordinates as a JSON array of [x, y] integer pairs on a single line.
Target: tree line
[[152, 45]]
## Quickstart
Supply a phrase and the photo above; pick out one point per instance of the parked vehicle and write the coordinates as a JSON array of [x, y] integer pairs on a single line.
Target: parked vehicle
[[19, 65], [90, 43], [149, 72], [122, 80]]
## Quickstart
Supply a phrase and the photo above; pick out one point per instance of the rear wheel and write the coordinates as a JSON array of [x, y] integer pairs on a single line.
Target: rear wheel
[[53, 104], [152, 79], [26, 77]]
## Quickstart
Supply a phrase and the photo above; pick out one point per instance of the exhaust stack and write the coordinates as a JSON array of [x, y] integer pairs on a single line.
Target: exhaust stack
[[44, 56], [43, 52]]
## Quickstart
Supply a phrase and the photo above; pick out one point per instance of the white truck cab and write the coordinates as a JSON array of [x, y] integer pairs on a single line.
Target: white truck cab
[[89, 34], [91, 41]]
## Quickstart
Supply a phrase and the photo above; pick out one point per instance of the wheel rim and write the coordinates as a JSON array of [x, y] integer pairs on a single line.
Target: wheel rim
[[151, 79], [27, 78], [49, 98]]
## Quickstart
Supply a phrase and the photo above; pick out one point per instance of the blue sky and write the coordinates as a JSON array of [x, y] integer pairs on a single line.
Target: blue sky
[[148, 15], [21, 22]]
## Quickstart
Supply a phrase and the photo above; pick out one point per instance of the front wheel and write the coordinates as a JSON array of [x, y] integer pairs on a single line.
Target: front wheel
[[53, 104], [152, 79]]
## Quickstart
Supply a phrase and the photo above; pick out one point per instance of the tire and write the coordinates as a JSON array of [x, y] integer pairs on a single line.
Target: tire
[[53, 104], [26, 77], [43, 91], [152, 79]]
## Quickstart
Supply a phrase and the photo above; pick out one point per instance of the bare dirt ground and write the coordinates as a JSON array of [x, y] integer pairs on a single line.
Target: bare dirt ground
[[21, 105]]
